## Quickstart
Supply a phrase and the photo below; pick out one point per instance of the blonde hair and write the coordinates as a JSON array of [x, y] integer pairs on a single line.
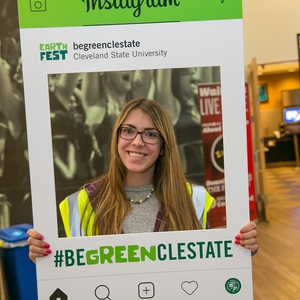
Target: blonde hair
[[110, 202]]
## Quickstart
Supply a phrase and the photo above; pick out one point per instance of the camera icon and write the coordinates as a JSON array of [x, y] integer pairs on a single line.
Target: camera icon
[[38, 5]]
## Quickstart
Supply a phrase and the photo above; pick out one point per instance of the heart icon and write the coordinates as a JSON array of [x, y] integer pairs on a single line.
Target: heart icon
[[189, 287]]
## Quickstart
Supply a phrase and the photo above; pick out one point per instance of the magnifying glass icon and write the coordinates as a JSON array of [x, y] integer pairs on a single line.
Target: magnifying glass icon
[[102, 292]]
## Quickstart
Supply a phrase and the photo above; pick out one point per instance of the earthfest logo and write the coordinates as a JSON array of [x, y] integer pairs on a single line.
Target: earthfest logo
[[53, 51]]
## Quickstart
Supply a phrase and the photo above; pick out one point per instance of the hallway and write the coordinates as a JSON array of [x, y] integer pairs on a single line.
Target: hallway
[[276, 267]]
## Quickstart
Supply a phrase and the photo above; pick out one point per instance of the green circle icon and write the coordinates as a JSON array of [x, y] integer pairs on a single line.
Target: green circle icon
[[233, 286]]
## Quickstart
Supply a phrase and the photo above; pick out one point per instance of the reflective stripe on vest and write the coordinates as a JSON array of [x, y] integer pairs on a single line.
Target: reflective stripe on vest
[[76, 210], [202, 202]]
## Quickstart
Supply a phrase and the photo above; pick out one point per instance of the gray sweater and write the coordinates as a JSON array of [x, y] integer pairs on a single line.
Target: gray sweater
[[143, 216]]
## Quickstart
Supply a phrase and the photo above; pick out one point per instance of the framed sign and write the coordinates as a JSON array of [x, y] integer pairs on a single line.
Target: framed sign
[[133, 42], [263, 93]]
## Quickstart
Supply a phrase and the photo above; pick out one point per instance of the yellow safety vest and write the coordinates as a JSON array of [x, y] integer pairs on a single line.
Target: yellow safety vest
[[78, 215]]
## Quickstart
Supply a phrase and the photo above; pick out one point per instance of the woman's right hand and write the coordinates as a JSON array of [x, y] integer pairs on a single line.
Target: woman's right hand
[[37, 246]]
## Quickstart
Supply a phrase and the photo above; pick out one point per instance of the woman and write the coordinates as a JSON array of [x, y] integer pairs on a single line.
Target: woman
[[145, 189]]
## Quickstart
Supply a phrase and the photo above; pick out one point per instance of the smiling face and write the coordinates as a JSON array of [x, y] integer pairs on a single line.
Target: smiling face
[[138, 157]]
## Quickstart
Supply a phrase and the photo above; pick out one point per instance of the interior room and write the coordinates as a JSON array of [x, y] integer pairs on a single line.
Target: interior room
[[272, 74], [271, 33]]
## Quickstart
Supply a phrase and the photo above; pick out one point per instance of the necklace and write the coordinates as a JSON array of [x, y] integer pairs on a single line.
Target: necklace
[[142, 200]]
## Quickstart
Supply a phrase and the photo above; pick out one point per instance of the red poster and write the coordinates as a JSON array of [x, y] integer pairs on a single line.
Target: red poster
[[210, 106], [252, 194]]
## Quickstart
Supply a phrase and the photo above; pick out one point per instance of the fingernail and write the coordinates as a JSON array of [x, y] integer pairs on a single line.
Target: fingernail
[[41, 237], [241, 231], [49, 251], [47, 245], [45, 254], [237, 237], [237, 242]]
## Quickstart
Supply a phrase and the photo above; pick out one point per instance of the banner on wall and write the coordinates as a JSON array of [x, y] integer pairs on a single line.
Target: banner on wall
[[162, 50], [210, 106]]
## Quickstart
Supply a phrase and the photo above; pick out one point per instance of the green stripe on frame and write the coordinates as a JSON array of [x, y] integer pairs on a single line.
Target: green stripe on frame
[[65, 13]]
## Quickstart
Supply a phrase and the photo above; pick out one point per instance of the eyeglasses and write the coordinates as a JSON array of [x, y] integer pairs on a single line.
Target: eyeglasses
[[148, 137]]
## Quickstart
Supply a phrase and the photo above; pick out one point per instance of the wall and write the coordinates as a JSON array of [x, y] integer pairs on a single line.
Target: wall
[[270, 29]]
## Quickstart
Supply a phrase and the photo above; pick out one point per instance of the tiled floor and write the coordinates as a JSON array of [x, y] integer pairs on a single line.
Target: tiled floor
[[276, 267]]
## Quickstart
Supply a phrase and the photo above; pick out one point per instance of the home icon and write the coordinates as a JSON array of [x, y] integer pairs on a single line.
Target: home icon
[[58, 295]]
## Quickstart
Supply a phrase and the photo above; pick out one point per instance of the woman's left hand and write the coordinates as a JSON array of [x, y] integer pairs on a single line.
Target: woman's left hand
[[247, 237]]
